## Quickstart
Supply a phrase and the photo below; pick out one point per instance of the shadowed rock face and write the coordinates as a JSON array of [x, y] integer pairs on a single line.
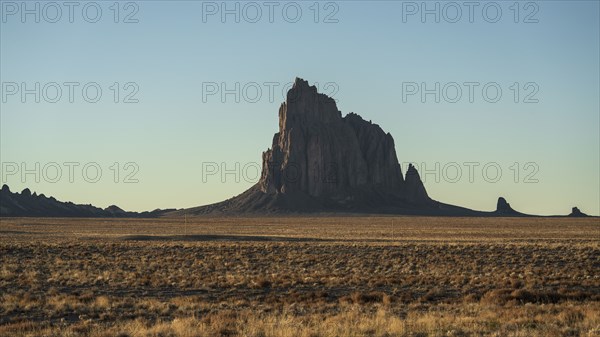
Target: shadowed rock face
[[415, 190], [321, 153], [575, 212], [27, 204], [503, 206]]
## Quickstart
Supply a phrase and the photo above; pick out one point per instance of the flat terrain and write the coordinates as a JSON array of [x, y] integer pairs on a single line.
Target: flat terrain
[[300, 276]]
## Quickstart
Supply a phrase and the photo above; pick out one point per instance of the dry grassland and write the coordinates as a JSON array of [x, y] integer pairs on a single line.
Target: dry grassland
[[299, 276]]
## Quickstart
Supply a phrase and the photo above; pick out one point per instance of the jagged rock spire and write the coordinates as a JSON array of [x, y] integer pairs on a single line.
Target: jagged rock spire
[[320, 153]]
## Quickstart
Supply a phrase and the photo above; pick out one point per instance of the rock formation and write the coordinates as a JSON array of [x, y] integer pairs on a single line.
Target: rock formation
[[502, 206], [575, 212], [320, 161], [503, 209], [320, 153], [27, 204]]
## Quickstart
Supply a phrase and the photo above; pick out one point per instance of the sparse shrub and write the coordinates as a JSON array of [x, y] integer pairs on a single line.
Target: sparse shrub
[[388, 299], [433, 294], [570, 316], [496, 296], [261, 282], [102, 302], [363, 298]]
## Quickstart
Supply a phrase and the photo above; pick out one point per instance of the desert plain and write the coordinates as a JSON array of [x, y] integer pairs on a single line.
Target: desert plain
[[300, 276]]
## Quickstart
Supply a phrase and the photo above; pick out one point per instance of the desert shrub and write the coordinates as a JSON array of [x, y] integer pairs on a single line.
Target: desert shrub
[[358, 297]]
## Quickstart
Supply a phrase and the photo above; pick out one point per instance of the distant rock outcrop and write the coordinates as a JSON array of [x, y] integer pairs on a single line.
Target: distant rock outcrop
[[115, 210], [26, 192], [26, 204], [575, 212], [503, 209], [502, 206]]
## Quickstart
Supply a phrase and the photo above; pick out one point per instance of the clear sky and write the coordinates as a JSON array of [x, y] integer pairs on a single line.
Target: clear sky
[[175, 57]]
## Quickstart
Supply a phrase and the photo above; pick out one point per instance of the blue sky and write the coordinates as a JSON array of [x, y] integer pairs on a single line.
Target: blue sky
[[367, 60]]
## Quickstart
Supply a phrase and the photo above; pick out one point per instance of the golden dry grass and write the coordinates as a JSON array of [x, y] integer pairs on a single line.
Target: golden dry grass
[[299, 276]]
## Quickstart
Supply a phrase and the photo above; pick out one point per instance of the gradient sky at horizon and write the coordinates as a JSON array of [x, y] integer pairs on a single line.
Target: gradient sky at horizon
[[364, 61]]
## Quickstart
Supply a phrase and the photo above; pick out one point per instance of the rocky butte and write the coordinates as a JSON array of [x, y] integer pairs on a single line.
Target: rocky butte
[[320, 161]]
